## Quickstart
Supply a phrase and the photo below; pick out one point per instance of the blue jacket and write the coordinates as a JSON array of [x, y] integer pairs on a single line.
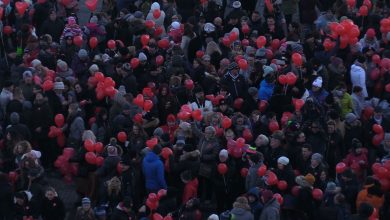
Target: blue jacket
[[266, 90], [153, 169]]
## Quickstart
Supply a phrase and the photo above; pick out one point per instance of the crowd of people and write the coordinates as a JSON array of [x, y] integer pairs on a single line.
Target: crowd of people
[[190, 110]]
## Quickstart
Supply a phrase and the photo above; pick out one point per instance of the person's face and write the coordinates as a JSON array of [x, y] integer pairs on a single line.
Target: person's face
[[199, 95], [229, 136], [255, 17], [28, 80], [208, 134], [19, 201], [223, 92], [331, 129], [315, 163], [251, 198], [290, 28], [78, 88], [275, 143], [306, 153], [121, 14], [135, 130], [86, 207], [164, 91], [255, 117], [50, 195], [235, 71], [301, 138], [195, 64], [69, 41], [39, 98], [53, 16], [240, 121], [323, 176], [315, 128], [270, 22], [280, 166]]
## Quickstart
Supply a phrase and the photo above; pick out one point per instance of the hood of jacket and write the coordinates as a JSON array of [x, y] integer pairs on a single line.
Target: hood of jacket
[[151, 157]]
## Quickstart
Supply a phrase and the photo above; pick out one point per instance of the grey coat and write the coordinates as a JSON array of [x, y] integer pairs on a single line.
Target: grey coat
[[271, 210]]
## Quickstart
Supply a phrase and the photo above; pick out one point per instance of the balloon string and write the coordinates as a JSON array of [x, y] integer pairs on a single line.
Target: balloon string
[[224, 182]]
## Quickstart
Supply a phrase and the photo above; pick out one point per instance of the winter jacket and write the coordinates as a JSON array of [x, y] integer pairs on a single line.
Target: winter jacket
[[153, 169], [241, 214], [237, 86], [374, 200], [108, 169], [346, 104], [76, 129], [256, 206], [54, 28], [53, 209], [358, 78], [357, 162], [120, 214], [270, 210], [252, 179], [6, 200], [266, 90], [84, 215], [358, 104]]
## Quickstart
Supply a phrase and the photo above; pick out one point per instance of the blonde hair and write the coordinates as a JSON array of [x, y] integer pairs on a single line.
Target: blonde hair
[[114, 185], [25, 145], [212, 47]]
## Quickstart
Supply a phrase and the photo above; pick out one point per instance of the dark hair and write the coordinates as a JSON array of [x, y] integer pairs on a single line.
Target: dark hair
[[308, 146], [157, 149], [357, 89]]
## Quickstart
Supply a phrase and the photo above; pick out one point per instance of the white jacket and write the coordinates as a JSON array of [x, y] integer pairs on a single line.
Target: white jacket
[[358, 78]]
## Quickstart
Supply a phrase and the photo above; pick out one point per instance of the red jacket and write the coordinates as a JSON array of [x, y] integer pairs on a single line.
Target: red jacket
[[357, 162], [190, 190]]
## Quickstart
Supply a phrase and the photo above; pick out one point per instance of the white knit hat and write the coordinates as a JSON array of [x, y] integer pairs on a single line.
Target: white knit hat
[[213, 217], [35, 63], [283, 160], [175, 25], [155, 6], [318, 82]]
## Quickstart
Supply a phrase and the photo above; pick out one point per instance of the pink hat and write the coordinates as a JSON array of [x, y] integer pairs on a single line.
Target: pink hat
[[71, 20]]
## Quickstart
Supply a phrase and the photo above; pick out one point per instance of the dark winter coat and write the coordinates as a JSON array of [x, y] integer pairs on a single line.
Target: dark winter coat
[[271, 210], [53, 209]]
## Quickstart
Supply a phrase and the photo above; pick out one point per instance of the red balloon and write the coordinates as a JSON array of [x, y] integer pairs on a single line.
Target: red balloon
[[99, 147], [91, 5], [189, 84], [273, 126], [368, 4], [89, 145], [247, 134], [166, 152], [148, 105], [1, 12], [377, 139], [199, 54], [272, 179], [279, 198], [47, 85], [238, 102], [382, 172], [222, 168], [297, 59], [269, 5], [377, 128], [263, 105], [226, 41], [6, 2], [298, 104], [341, 167], [122, 136], [145, 39], [119, 168], [111, 44], [139, 100], [156, 13], [282, 185], [157, 216], [99, 76], [376, 59], [59, 120], [93, 42], [134, 62], [184, 115], [163, 44], [385, 184], [351, 3], [328, 44], [262, 170], [375, 167], [109, 91], [186, 108], [226, 122], [233, 36], [21, 7], [149, 24], [152, 206], [363, 10], [317, 194], [243, 64], [78, 41], [197, 115], [90, 157], [261, 41], [12, 176], [387, 87], [245, 29], [240, 142], [151, 143], [291, 78], [7, 30], [244, 172], [275, 44], [158, 31], [159, 60], [99, 161], [282, 79]]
